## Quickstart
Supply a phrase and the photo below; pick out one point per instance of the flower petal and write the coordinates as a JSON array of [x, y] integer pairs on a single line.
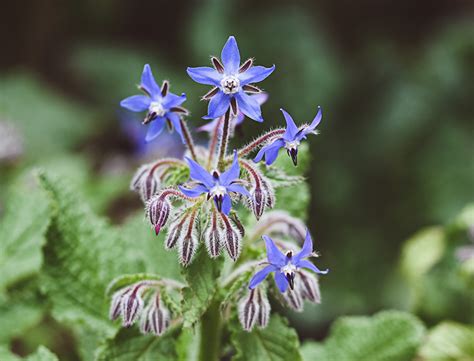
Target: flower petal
[[136, 103], [208, 127], [316, 120], [155, 128], [173, 100], [291, 128], [309, 265], [274, 255], [260, 97], [205, 75], [148, 82], [249, 106], [199, 174], [194, 192], [230, 56], [218, 105], [270, 152], [232, 173], [237, 188], [281, 281], [261, 275], [307, 248], [176, 121], [226, 204], [255, 74]]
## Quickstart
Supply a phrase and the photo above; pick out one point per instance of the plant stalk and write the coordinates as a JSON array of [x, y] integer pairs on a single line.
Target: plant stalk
[[211, 329], [224, 140]]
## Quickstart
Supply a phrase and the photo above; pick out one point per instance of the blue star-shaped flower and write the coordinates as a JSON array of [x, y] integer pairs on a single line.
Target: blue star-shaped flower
[[217, 186], [231, 83], [163, 106], [286, 265], [290, 140]]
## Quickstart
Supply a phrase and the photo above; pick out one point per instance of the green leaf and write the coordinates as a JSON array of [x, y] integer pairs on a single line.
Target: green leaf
[[22, 231], [387, 336], [187, 345], [42, 354], [276, 342], [130, 344], [82, 255], [201, 276], [449, 341], [311, 351], [7, 355]]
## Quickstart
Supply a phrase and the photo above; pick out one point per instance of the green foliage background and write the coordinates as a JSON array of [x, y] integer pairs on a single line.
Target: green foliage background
[[390, 177]]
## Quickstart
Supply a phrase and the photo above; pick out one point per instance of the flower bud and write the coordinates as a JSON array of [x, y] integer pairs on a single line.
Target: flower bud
[[116, 304], [156, 319], [309, 285], [146, 181], [132, 305], [158, 210], [213, 236], [174, 234], [294, 299], [187, 244], [232, 237], [248, 310], [264, 308]]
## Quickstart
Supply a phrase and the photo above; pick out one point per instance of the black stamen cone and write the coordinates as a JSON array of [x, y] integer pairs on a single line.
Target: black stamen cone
[[290, 277], [293, 153], [218, 199]]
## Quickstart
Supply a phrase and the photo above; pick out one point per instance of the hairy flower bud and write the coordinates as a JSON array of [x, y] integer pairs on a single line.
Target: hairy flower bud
[[156, 318], [187, 244], [294, 298], [262, 194], [309, 286], [232, 237], [158, 211], [132, 305], [116, 304], [264, 308], [213, 236], [249, 310], [146, 181]]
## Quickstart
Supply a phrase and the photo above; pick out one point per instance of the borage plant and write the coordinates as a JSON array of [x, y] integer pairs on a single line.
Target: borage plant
[[219, 202]]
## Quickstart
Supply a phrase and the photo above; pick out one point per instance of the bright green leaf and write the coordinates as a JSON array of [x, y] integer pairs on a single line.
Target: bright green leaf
[[42, 354]]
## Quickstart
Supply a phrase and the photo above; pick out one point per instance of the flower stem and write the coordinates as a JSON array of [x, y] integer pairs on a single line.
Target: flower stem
[[211, 329], [260, 141], [189, 139], [224, 140], [213, 143]]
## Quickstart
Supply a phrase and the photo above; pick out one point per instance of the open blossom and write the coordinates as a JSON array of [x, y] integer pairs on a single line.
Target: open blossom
[[290, 140], [285, 266], [236, 120], [231, 82], [162, 106], [215, 185]]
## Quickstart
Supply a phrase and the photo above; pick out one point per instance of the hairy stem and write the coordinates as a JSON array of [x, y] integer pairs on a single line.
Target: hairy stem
[[189, 139], [213, 143], [224, 140], [211, 329], [260, 141]]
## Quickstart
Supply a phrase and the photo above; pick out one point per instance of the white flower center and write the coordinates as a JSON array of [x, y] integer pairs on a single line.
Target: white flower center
[[288, 268], [218, 190], [292, 145], [230, 84], [157, 108]]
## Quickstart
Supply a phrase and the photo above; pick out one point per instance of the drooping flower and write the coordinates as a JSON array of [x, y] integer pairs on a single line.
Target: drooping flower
[[162, 106], [290, 140], [217, 186], [285, 266], [236, 120], [231, 82]]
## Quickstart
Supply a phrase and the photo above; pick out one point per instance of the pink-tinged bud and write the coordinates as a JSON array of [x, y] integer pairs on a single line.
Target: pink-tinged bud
[[309, 285], [262, 194], [213, 236], [156, 318], [248, 311], [232, 237], [158, 211], [116, 304], [258, 201], [294, 299], [132, 305], [174, 234], [146, 181], [188, 244], [264, 308]]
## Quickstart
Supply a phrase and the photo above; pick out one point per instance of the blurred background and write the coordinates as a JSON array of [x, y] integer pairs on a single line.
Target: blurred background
[[395, 154]]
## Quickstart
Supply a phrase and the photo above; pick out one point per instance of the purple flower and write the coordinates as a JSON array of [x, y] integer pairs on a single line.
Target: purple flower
[[231, 82], [237, 120], [290, 140], [216, 185], [286, 265], [162, 106]]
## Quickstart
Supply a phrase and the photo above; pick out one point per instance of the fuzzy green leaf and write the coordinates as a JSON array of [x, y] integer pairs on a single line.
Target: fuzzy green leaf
[[276, 342], [449, 341], [387, 336], [22, 231], [130, 344], [201, 276], [42, 354]]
